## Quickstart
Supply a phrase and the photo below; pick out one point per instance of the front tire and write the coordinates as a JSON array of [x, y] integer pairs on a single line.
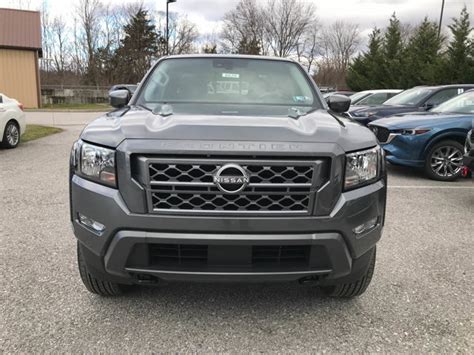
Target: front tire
[[93, 284], [355, 288], [11, 135], [444, 161]]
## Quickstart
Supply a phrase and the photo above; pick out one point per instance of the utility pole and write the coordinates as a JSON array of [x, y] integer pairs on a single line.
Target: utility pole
[[441, 19], [167, 27]]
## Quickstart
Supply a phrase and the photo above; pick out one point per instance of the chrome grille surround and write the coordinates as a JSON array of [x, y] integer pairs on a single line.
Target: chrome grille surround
[[186, 186]]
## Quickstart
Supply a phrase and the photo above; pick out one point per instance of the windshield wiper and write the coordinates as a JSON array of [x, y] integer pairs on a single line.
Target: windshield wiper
[[145, 107], [295, 113], [163, 110]]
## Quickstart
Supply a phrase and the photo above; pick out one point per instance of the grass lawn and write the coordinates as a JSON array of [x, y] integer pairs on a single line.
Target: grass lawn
[[99, 107], [35, 131]]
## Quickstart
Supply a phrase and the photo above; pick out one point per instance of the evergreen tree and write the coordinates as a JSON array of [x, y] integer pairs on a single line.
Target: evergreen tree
[[422, 61], [358, 74], [459, 64], [392, 54], [365, 71], [137, 49]]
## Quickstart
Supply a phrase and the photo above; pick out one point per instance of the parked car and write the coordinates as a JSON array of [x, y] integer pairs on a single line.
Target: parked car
[[375, 97], [12, 122], [431, 140], [344, 93], [468, 159], [422, 98], [131, 88], [214, 171]]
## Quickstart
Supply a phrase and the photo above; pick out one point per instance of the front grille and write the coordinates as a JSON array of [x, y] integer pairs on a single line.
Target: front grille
[[274, 186], [224, 202], [381, 133], [204, 173]]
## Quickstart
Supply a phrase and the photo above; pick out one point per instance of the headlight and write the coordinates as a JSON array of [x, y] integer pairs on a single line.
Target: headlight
[[413, 132], [362, 167], [94, 163], [364, 114]]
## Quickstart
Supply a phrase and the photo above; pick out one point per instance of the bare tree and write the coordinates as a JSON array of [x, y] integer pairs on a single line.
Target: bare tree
[[77, 60], [286, 22], [308, 49], [340, 42], [60, 53], [89, 15], [243, 29], [209, 42], [183, 34]]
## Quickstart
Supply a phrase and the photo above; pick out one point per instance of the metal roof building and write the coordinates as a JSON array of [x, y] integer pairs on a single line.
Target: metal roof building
[[20, 49]]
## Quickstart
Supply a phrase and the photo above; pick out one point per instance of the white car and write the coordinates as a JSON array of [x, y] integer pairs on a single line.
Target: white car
[[12, 122], [373, 97]]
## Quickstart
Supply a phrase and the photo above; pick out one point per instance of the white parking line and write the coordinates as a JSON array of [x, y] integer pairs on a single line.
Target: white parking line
[[429, 187]]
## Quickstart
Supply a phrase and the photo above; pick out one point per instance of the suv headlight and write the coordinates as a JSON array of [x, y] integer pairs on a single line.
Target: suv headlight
[[362, 167], [364, 114], [94, 163]]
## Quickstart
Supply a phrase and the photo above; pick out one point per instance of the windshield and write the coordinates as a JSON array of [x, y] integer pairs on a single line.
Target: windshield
[[459, 104], [228, 85], [411, 97], [358, 96], [373, 100]]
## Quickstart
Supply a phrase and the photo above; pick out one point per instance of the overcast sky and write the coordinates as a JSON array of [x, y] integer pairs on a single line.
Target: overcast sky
[[207, 14]]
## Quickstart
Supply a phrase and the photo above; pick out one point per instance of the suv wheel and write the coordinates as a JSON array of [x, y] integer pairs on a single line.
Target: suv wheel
[[93, 284], [444, 161], [11, 135], [355, 288]]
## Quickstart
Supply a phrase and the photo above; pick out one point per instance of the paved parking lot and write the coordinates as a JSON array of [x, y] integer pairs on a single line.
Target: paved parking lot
[[420, 299]]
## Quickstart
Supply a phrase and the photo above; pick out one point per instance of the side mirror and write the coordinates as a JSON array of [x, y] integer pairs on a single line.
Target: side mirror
[[119, 98], [338, 103], [428, 106]]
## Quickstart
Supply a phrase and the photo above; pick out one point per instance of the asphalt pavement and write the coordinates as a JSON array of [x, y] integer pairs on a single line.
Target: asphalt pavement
[[420, 299]]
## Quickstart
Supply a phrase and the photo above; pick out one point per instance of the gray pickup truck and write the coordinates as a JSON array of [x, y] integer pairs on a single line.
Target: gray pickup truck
[[227, 168]]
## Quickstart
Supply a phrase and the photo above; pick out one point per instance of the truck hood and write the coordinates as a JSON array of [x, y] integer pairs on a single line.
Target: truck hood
[[317, 127], [422, 119]]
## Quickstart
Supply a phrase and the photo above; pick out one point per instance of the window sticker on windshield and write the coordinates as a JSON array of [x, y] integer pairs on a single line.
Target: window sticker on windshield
[[460, 91], [231, 75], [227, 87]]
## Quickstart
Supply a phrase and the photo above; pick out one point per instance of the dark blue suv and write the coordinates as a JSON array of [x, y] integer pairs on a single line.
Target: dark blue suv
[[420, 98], [431, 140]]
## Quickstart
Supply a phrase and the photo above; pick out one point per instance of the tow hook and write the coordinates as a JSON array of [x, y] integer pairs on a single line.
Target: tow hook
[[309, 280], [144, 279], [464, 171]]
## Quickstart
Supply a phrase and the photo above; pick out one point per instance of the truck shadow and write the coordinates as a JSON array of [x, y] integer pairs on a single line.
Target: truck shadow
[[224, 300]]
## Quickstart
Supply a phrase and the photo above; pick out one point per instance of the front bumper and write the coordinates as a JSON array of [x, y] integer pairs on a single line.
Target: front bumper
[[122, 251], [405, 150]]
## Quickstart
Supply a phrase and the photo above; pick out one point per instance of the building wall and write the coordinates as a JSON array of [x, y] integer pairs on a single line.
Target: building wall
[[19, 76]]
